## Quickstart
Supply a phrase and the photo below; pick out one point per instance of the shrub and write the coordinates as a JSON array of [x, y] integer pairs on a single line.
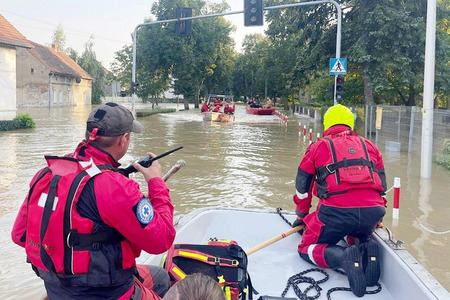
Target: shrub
[[144, 113], [25, 121], [444, 158], [19, 122]]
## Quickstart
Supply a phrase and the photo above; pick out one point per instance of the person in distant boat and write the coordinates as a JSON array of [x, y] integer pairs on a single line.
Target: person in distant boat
[[195, 286], [205, 107], [229, 110], [346, 172], [254, 104], [268, 103], [83, 223], [216, 108]]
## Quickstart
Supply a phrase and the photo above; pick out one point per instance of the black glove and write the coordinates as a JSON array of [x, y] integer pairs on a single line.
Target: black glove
[[298, 222]]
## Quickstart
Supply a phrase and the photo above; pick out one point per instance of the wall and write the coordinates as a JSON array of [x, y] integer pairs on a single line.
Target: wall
[[34, 83], [32, 80], [7, 83]]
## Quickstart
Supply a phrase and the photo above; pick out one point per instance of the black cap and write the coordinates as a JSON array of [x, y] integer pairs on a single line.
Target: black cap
[[112, 119]]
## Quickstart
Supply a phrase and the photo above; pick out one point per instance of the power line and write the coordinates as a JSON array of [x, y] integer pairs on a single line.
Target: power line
[[69, 31]]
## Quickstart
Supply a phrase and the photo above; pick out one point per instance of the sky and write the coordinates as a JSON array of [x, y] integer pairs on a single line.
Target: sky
[[110, 22]]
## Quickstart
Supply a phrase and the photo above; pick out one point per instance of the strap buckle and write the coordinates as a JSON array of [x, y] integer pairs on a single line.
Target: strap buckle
[[70, 239], [328, 168]]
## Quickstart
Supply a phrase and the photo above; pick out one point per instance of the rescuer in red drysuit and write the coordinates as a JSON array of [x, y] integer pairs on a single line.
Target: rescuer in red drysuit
[[205, 107], [229, 110], [346, 173], [83, 223], [216, 108]]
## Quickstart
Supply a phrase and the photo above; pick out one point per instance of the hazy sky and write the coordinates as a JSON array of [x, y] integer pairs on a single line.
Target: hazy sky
[[110, 22]]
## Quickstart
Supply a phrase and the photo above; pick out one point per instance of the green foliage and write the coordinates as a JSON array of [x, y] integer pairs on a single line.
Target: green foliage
[[121, 66], [383, 40], [145, 113], [191, 64], [444, 158], [88, 61], [59, 37], [19, 122]]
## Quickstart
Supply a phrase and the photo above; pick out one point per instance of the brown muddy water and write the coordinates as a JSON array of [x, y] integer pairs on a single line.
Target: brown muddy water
[[251, 163]]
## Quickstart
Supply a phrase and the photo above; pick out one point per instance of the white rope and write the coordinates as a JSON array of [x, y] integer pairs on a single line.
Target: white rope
[[418, 221], [389, 190], [421, 225]]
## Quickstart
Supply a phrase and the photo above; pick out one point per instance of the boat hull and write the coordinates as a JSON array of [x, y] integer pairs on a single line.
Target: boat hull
[[401, 276], [217, 117], [260, 111]]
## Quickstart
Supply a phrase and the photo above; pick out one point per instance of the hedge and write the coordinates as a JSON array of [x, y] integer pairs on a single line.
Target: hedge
[[145, 113], [19, 122]]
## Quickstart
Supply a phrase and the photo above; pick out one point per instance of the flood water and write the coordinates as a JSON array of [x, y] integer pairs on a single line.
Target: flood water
[[251, 163]]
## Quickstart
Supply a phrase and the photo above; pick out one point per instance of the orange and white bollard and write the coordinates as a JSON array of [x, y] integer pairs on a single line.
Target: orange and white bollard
[[310, 134], [304, 130], [318, 136], [299, 128], [396, 204]]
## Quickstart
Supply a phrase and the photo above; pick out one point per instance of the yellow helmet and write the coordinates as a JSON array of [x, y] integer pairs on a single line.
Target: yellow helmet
[[338, 114]]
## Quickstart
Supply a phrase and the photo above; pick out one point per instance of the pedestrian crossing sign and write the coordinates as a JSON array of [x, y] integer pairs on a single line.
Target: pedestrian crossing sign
[[338, 66]]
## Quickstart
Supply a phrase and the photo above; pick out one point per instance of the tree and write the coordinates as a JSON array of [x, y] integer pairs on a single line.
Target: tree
[[90, 64], [383, 40], [121, 66], [186, 62], [59, 38]]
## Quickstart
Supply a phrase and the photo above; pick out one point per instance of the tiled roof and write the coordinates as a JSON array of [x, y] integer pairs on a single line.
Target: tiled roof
[[58, 62], [10, 36], [72, 64]]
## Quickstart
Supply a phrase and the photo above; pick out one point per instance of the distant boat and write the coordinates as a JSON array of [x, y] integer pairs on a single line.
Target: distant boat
[[217, 117], [270, 265], [222, 102], [260, 110]]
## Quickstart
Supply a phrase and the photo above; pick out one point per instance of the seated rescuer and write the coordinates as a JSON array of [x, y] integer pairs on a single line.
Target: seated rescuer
[[83, 223], [346, 173]]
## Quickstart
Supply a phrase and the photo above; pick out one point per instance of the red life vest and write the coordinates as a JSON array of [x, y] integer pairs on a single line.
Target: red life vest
[[59, 240], [349, 167]]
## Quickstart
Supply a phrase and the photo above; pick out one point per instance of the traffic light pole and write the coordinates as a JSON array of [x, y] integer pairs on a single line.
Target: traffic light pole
[[338, 29], [338, 34]]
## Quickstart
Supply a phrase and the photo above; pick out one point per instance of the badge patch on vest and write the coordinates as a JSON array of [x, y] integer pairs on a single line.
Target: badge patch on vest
[[351, 150], [144, 211]]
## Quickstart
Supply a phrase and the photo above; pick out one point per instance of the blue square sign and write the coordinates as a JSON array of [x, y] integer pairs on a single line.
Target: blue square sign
[[338, 66]]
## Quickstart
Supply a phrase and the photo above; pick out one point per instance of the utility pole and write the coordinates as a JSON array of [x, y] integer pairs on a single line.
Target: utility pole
[[428, 92]]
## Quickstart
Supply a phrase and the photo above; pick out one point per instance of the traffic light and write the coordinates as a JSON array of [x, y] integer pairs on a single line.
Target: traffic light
[[339, 88], [183, 27], [133, 87], [330, 92], [253, 13]]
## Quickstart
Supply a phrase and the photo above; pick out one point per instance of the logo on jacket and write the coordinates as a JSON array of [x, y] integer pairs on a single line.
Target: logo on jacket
[[351, 150], [144, 211]]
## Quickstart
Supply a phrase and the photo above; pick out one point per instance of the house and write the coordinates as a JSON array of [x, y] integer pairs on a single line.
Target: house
[[10, 41], [48, 77]]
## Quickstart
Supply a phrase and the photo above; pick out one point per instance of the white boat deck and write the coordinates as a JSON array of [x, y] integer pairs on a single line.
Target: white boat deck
[[402, 277]]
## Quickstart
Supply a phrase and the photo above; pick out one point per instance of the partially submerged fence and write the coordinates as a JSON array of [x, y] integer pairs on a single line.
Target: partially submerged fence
[[399, 128]]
